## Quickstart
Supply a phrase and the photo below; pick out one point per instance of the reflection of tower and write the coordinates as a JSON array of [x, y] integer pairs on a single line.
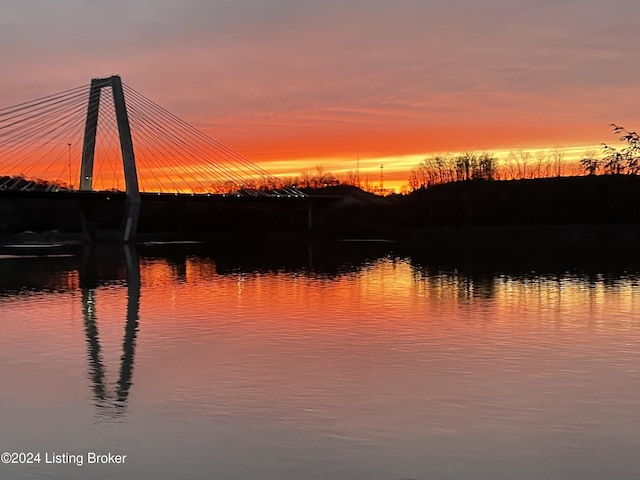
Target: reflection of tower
[[110, 404]]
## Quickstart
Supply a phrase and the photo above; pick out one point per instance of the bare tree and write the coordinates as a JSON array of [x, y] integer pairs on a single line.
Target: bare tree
[[306, 178], [419, 175], [590, 163], [522, 159], [540, 161], [510, 166], [557, 159], [350, 178], [322, 178], [289, 181]]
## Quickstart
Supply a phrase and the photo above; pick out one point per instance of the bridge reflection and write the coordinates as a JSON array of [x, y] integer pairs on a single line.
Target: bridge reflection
[[84, 271], [110, 402]]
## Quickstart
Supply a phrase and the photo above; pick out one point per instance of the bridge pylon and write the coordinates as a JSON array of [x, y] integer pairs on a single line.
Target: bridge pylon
[[132, 204]]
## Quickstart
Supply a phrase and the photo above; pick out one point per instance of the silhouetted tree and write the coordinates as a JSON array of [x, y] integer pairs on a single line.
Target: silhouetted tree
[[557, 158], [486, 167], [539, 164], [626, 160], [463, 166], [305, 179], [472, 166], [590, 163], [522, 159], [323, 178], [440, 169], [350, 178], [509, 165]]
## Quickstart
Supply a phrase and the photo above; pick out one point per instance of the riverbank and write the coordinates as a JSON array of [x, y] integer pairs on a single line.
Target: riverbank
[[553, 210]]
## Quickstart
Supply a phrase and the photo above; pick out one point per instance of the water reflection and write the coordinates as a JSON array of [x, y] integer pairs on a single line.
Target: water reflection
[[430, 280], [329, 259], [327, 361], [110, 404], [475, 268]]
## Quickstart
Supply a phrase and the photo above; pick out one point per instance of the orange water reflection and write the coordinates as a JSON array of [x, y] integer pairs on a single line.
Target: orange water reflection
[[373, 368]]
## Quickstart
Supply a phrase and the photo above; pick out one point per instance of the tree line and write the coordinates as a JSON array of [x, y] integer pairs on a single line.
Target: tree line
[[445, 168], [314, 179], [520, 164]]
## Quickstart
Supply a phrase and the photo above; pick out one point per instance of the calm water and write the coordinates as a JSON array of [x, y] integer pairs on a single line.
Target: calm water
[[346, 362]]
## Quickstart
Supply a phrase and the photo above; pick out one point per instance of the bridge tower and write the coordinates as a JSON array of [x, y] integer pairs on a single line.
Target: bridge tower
[[132, 204]]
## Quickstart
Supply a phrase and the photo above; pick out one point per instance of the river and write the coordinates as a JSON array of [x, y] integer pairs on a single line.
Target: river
[[345, 361]]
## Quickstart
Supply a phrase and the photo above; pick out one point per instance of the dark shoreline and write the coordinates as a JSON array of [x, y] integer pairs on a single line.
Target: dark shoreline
[[551, 211]]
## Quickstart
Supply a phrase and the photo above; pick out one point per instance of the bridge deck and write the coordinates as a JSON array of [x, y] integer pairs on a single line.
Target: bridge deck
[[151, 197], [62, 210]]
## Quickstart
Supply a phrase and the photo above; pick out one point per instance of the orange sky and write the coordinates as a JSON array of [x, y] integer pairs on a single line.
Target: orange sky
[[293, 84]]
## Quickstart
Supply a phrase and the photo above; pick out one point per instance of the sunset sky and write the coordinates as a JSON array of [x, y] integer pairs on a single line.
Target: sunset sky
[[294, 84]]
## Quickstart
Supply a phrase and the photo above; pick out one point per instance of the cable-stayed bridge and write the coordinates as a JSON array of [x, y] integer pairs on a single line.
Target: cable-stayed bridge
[[105, 140], [45, 140]]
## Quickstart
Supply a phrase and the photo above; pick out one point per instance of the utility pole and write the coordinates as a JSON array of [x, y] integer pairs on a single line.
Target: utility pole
[[381, 178], [358, 172]]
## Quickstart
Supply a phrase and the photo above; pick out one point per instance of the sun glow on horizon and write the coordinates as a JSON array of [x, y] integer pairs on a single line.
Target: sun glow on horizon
[[396, 168], [388, 171]]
